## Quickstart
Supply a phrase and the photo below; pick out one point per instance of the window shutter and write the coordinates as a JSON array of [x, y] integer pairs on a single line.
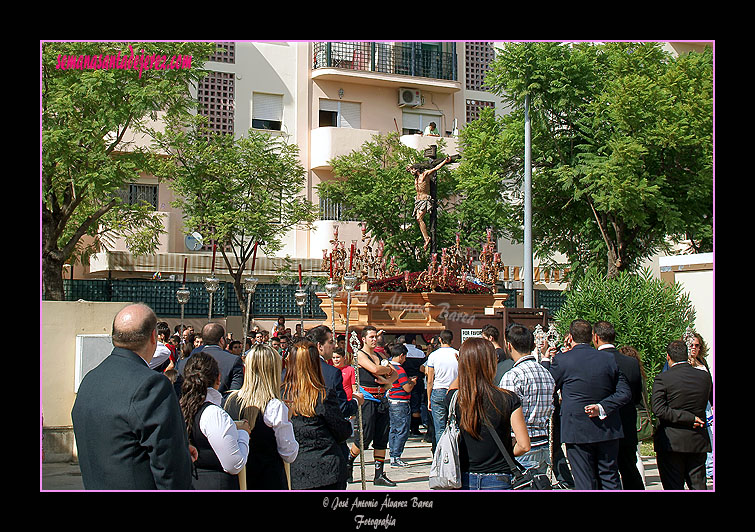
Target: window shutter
[[350, 115], [267, 106]]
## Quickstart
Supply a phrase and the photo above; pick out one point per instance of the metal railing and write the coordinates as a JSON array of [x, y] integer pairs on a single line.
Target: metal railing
[[332, 210], [408, 59]]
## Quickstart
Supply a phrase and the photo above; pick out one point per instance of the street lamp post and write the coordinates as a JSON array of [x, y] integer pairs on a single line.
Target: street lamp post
[[250, 285]]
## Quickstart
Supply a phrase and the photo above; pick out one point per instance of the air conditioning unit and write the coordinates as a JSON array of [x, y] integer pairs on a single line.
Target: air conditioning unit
[[409, 97]]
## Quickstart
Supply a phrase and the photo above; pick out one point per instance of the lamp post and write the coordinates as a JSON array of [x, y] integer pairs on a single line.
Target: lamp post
[[332, 290], [250, 285], [301, 299], [211, 284]]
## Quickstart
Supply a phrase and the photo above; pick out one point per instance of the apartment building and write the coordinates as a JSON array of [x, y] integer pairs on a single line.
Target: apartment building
[[329, 98]]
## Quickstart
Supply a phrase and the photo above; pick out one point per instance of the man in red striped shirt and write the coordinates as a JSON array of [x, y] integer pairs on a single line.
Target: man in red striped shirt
[[399, 406]]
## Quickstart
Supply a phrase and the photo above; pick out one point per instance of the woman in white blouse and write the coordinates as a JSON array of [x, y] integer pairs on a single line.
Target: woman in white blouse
[[222, 444], [272, 442]]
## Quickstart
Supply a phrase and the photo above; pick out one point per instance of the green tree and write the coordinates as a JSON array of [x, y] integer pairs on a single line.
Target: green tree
[[90, 106], [243, 193], [646, 312], [374, 186], [621, 147]]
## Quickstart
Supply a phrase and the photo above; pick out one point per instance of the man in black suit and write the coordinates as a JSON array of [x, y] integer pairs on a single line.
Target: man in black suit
[[603, 338], [231, 366], [592, 391], [681, 441], [129, 430]]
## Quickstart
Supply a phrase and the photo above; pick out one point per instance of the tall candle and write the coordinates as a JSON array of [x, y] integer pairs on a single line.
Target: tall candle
[[299, 275], [186, 261], [331, 265], [351, 256], [214, 249], [254, 257]]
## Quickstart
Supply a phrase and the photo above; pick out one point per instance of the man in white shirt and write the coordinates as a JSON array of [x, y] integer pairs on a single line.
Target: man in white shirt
[[442, 370]]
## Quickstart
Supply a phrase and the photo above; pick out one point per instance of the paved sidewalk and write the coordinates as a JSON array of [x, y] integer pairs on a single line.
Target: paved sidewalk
[[66, 476]]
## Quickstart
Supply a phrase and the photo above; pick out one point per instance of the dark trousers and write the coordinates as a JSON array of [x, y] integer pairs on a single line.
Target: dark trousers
[[676, 469], [594, 466], [627, 459]]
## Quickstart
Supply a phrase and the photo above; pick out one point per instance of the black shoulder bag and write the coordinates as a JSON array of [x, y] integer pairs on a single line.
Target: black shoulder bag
[[524, 479]]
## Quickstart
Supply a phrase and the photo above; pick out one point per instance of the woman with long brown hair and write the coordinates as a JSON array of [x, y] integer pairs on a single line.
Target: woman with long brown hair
[[222, 445], [319, 425], [483, 467]]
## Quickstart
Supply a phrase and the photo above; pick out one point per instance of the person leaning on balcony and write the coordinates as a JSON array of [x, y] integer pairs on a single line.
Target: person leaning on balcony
[[431, 130]]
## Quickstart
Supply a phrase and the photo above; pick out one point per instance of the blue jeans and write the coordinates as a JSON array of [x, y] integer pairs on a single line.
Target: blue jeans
[[400, 412], [485, 481], [537, 458], [439, 410]]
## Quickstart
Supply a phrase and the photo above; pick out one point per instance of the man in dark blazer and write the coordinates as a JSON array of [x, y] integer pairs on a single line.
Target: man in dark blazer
[[603, 338], [681, 440], [231, 366], [592, 391], [129, 429]]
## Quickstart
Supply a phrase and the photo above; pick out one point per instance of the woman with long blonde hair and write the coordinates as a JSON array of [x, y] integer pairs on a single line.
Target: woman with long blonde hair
[[319, 425], [479, 404], [271, 441]]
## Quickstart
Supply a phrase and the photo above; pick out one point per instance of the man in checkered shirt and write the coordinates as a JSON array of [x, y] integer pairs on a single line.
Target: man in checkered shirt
[[534, 385]]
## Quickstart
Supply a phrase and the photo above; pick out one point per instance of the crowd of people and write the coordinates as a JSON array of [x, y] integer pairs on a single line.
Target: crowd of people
[[289, 411]]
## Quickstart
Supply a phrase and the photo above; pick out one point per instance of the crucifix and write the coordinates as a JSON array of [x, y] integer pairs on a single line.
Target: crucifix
[[426, 188]]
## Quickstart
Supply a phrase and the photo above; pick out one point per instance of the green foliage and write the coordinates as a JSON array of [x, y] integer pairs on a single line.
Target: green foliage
[[88, 115], [646, 312], [622, 138], [374, 186]]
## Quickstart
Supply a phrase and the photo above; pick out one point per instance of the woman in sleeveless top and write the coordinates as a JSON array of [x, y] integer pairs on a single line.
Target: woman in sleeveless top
[[222, 445], [271, 443]]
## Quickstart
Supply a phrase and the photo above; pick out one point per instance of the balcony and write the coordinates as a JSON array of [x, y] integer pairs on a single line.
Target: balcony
[[330, 142], [388, 63]]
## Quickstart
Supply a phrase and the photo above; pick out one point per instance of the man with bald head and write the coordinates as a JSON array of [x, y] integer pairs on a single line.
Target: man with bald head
[[129, 429], [231, 366]]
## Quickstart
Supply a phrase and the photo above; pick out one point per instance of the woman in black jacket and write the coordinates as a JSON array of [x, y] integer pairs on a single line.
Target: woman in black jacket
[[319, 426]]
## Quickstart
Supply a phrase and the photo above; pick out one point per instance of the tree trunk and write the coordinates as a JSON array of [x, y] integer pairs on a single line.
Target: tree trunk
[[612, 270], [52, 276]]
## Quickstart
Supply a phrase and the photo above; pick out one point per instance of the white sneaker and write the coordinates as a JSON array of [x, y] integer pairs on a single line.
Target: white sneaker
[[398, 462]]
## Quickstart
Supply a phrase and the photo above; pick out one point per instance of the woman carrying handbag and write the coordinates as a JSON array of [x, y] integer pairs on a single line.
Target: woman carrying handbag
[[485, 414]]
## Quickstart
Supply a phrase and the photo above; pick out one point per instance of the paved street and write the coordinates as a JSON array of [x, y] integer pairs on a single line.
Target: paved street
[[66, 476]]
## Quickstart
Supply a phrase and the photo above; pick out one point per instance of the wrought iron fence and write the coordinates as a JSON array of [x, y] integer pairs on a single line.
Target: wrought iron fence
[[270, 300], [408, 59]]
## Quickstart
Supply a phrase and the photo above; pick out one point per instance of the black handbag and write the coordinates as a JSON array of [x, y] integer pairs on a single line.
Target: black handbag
[[524, 479]]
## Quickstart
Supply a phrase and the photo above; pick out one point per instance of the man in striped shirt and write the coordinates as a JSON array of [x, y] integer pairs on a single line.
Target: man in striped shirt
[[399, 406], [534, 385]]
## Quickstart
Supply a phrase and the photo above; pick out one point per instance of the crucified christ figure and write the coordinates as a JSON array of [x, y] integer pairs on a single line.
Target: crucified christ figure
[[423, 201]]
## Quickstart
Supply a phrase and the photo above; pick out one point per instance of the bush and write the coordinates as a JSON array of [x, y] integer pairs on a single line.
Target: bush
[[646, 312]]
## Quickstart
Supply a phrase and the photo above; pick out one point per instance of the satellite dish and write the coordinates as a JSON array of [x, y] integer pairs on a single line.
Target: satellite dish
[[193, 241]]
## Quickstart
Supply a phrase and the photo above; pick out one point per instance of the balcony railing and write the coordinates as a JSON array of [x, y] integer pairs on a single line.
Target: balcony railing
[[407, 59]]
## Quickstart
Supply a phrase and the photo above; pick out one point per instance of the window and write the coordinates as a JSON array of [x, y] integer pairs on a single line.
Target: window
[[225, 53], [135, 194], [415, 122], [267, 111], [336, 113]]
